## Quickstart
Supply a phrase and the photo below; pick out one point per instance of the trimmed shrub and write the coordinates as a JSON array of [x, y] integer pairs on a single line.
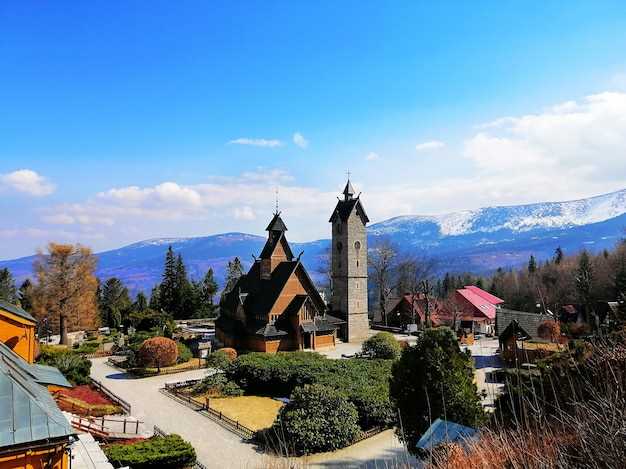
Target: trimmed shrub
[[218, 360], [184, 354], [382, 345], [87, 347], [158, 352], [231, 353], [72, 365], [318, 418], [169, 451], [218, 385]]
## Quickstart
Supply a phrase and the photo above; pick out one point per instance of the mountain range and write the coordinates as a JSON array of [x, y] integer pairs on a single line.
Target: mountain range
[[477, 241]]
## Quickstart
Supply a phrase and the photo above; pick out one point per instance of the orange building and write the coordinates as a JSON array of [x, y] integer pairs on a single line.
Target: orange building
[[17, 330], [34, 434], [275, 306]]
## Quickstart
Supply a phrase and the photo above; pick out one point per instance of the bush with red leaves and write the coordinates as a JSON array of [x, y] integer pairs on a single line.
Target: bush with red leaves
[[549, 330], [231, 353], [158, 352]]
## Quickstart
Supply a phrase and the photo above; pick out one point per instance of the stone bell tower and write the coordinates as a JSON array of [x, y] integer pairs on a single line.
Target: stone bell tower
[[349, 265]]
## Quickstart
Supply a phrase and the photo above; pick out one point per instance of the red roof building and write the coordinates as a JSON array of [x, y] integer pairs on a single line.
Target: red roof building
[[476, 308]]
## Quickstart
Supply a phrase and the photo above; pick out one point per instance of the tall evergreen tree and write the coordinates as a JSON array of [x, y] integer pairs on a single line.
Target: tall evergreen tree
[[584, 279], [234, 271], [155, 298], [184, 303], [558, 255], [26, 295], [168, 289], [114, 302], [8, 291], [141, 303], [209, 287], [532, 265]]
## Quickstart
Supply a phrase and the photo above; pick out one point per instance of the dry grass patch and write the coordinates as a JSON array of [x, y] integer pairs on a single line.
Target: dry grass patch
[[255, 412]]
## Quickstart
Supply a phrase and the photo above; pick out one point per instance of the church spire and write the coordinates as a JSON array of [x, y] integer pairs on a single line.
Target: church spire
[[348, 192]]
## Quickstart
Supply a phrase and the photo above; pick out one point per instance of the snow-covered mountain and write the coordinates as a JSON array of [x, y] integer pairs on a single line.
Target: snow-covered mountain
[[473, 240], [519, 218]]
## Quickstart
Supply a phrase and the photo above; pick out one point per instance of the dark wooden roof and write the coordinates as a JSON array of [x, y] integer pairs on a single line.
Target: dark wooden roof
[[274, 238], [277, 224], [528, 322], [345, 207]]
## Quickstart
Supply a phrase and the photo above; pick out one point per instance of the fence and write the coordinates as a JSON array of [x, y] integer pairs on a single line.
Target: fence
[[173, 390], [107, 427], [160, 432], [114, 397], [369, 433]]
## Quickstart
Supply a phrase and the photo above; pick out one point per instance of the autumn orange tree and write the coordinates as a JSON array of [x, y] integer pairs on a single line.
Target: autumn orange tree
[[157, 352], [65, 292]]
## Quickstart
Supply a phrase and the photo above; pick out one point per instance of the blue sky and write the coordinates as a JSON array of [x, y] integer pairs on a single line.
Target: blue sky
[[129, 120]]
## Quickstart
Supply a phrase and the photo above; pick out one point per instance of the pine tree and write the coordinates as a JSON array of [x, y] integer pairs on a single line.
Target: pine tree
[[209, 287], [114, 302], [446, 285], [167, 289], [234, 271], [584, 279], [141, 303], [184, 303], [558, 255], [26, 295], [155, 298], [532, 265], [8, 291]]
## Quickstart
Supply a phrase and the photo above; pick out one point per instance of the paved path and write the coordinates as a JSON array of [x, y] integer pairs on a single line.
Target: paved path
[[485, 361], [217, 447]]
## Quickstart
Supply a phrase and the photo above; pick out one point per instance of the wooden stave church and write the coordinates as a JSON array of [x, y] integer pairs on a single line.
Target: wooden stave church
[[276, 306]]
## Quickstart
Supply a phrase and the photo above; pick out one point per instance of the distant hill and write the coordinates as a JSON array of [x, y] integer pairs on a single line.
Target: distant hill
[[474, 240]]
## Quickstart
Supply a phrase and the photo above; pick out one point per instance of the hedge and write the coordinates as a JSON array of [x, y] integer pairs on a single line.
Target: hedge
[[169, 451], [72, 365], [364, 382]]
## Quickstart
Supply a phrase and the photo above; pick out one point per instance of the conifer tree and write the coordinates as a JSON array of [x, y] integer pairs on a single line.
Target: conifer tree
[[141, 303], [155, 298], [114, 302], [584, 279], [167, 289], [558, 255], [209, 287], [26, 295], [234, 271], [8, 292], [532, 265]]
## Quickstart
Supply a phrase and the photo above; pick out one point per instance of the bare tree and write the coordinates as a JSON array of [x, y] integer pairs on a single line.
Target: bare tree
[[415, 274], [382, 262], [66, 288]]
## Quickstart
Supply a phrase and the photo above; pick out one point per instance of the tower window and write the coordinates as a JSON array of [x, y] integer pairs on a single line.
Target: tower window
[[357, 245]]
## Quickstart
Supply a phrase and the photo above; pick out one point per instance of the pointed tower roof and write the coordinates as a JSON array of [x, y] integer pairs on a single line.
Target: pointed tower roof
[[277, 224], [349, 191]]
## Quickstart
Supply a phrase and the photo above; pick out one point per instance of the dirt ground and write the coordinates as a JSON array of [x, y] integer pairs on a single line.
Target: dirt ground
[[254, 412]]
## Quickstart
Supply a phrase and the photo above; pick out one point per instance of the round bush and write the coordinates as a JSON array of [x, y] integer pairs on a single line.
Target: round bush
[[382, 345], [231, 353], [318, 418], [549, 330], [158, 352]]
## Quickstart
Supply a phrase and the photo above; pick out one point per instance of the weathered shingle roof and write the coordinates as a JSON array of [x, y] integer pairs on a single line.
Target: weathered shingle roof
[[16, 310], [271, 244], [27, 411], [529, 322], [345, 207]]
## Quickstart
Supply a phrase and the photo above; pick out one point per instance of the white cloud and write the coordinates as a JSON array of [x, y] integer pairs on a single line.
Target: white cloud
[[257, 142], [28, 182], [431, 145], [372, 156], [244, 213], [299, 140]]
